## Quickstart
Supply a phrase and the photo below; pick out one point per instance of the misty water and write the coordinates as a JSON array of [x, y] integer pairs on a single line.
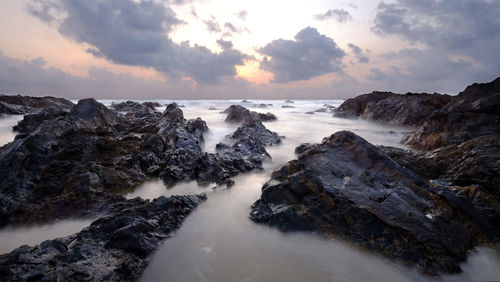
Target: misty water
[[218, 242]]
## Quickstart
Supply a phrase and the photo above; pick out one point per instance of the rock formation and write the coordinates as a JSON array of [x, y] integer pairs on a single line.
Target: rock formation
[[349, 188], [410, 109]]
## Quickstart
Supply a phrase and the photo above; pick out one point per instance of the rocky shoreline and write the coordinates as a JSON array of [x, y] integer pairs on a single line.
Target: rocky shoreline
[[426, 209]]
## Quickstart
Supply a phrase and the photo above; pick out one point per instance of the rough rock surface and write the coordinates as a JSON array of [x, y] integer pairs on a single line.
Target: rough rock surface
[[74, 163], [17, 104], [471, 170], [113, 248], [237, 113], [472, 113], [77, 160], [410, 109], [349, 188]]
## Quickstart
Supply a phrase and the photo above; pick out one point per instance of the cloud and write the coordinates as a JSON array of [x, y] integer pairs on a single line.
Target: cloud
[[362, 58], [135, 33], [242, 14], [455, 38], [225, 44], [309, 55], [340, 15], [212, 26]]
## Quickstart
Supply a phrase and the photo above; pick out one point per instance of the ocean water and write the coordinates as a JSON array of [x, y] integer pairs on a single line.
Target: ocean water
[[218, 242]]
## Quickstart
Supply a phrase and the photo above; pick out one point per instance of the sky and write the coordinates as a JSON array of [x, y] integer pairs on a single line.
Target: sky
[[229, 49]]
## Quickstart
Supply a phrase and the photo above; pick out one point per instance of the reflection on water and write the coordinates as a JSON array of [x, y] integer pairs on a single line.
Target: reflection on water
[[6, 124], [13, 237]]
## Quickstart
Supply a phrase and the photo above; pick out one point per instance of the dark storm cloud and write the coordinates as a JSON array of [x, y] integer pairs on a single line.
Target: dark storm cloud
[[360, 55], [340, 15], [309, 55], [457, 37], [136, 33]]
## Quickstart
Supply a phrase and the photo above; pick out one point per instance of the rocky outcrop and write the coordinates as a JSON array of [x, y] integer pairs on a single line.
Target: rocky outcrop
[[410, 109], [472, 113], [237, 113], [471, 170], [76, 161], [348, 188], [243, 150], [113, 248], [19, 105], [131, 106]]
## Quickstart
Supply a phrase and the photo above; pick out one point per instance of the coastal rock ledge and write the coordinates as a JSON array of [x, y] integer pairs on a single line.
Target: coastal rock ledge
[[348, 188]]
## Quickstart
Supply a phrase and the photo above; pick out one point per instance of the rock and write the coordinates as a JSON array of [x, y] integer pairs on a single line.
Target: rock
[[237, 113], [349, 188], [472, 113], [471, 170], [261, 105], [71, 163], [302, 148], [17, 104], [245, 101], [212, 108], [115, 247], [131, 106], [410, 109], [31, 121], [289, 101], [287, 107]]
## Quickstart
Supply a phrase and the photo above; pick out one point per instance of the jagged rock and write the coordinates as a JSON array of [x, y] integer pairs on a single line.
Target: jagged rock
[[471, 170], [472, 113], [302, 148], [70, 163], [73, 163], [347, 187], [31, 121], [289, 101], [387, 107], [131, 106], [17, 104], [113, 248], [237, 113]]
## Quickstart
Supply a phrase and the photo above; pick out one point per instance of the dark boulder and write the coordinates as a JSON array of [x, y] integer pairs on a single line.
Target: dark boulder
[[348, 188], [237, 113]]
